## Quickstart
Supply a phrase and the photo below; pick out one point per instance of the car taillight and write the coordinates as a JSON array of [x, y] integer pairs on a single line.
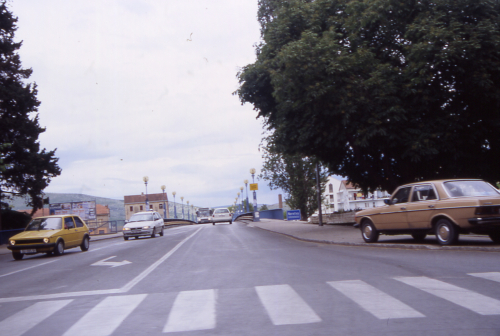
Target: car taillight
[[487, 210]]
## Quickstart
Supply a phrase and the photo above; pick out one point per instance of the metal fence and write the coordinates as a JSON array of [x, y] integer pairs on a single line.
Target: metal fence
[[106, 227]]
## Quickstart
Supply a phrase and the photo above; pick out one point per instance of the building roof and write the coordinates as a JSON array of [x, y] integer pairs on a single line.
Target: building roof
[[142, 198], [349, 185]]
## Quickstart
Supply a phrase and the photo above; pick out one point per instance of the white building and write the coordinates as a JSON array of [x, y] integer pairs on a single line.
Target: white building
[[342, 196]]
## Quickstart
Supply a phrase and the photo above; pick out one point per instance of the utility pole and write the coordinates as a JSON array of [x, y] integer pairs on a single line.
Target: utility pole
[[320, 215]]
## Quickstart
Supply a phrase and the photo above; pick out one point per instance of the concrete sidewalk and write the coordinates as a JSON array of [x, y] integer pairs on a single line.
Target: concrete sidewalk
[[350, 236]]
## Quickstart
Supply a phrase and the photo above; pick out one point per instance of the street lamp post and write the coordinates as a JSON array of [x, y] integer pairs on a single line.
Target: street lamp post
[[252, 171], [182, 202], [164, 204], [246, 186], [189, 215], [146, 179], [241, 204], [175, 208], [238, 201]]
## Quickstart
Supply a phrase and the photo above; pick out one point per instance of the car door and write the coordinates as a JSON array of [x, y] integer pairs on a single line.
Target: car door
[[422, 206], [393, 217], [71, 232], [80, 229], [158, 222]]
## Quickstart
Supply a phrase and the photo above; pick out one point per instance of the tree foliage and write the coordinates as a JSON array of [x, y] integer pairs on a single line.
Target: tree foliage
[[383, 91], [295, 175], [27, 169]]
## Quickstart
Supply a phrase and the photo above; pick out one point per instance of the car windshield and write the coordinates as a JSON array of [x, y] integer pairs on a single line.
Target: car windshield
[[141, 217], [221, 211], [44, 224], [203, 213], [470, 188]]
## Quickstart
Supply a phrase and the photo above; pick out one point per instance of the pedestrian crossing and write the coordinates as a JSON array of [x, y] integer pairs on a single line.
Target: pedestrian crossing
[[281, 304]]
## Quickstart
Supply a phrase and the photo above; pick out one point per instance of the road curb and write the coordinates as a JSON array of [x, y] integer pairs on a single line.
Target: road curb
[[398, 246]]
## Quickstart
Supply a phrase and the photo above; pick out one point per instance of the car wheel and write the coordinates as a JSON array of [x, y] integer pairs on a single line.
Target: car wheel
[[59, 250], [136, 237], [369, 232], [419, 236], [17, 255], [213, 223], [125, 238], [154, 233], [85, 244], [495, 237], [161, 232], [446, 232]]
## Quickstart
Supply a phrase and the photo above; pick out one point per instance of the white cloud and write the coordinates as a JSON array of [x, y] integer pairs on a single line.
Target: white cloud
[[134, 88]]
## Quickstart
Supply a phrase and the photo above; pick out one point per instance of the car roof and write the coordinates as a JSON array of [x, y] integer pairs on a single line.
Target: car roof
[[438, 181], [144, 212]]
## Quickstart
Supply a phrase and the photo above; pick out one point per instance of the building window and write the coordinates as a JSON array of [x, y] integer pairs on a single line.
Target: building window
[[131, 209], [330, 187], [331, 198], [140, 207], [161, 206], [151, 206]]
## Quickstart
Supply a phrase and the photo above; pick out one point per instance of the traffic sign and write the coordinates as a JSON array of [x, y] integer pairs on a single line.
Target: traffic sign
[[293, 215], [254, 186]]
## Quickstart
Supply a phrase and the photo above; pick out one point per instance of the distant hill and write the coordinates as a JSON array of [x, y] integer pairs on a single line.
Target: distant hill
[[116, 207]]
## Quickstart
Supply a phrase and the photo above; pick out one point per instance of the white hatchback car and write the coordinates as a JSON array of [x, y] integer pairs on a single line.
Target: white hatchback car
[[143, 224], [222, 215]]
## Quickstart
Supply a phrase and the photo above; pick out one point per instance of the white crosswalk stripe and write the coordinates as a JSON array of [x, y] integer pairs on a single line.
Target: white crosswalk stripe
[[26, 319], [103, 319], [374, 301], [494, 276], [285, 306], [192, 310], [476, 302]]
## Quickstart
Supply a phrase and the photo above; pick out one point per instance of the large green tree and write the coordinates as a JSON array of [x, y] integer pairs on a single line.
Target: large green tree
[[27, 169], [383, 91], [295, 175]]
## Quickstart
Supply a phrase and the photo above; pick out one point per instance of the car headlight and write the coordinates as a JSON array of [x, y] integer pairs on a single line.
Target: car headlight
[[12, 242], [146, 227], [46, 240], [126, 229]]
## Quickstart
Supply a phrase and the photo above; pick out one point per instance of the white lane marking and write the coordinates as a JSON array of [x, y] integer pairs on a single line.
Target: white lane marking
[[104, 318], [104, 262], [26, 319], [285, 306], [124, 289], [157, 263], [192, 310], [494, 276], [476, 302], [374, 301], [25, 269]]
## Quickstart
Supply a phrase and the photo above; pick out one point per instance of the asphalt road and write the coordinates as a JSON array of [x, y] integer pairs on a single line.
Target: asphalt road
[[238, 280]]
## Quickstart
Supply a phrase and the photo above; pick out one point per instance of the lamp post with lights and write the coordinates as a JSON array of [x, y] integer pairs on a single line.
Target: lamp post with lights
[[252, 171], [146, 179], [241, 204], [175, 208], [182, 202], [164, 204], [246, 186], [189, 215]]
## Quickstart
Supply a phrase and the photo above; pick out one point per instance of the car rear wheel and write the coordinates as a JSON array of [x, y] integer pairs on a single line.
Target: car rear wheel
[[17, 255], [495, 237], [419, 236], [85, 244], [161, 232], [125, 238], [59, 250], [446, 232], [369, 232]]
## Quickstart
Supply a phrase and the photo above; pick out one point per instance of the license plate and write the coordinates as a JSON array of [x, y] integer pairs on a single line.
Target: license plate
[[28, 251]]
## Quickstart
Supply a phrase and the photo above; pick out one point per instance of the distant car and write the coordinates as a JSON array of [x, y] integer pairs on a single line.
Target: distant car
[[147, 223], [446, 208], [50, 234], [222, 215]]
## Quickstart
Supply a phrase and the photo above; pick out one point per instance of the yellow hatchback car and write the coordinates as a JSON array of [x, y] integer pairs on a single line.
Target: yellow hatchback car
[[50, 234]]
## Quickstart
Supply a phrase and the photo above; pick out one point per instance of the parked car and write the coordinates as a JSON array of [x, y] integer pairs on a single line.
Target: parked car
[[50, 234], [446, 208], [222, 215], [147, 223]]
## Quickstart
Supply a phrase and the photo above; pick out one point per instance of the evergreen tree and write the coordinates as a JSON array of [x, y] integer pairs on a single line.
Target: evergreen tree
[[27, 169]]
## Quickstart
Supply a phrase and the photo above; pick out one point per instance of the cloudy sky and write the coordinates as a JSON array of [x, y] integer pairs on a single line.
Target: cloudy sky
[[133, 88]]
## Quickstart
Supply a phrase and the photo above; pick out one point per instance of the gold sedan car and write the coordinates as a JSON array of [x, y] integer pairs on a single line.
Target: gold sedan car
[[50, 234], [446, 208]]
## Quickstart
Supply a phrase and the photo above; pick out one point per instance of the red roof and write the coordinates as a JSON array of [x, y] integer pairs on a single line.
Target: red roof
[[142, 198]]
